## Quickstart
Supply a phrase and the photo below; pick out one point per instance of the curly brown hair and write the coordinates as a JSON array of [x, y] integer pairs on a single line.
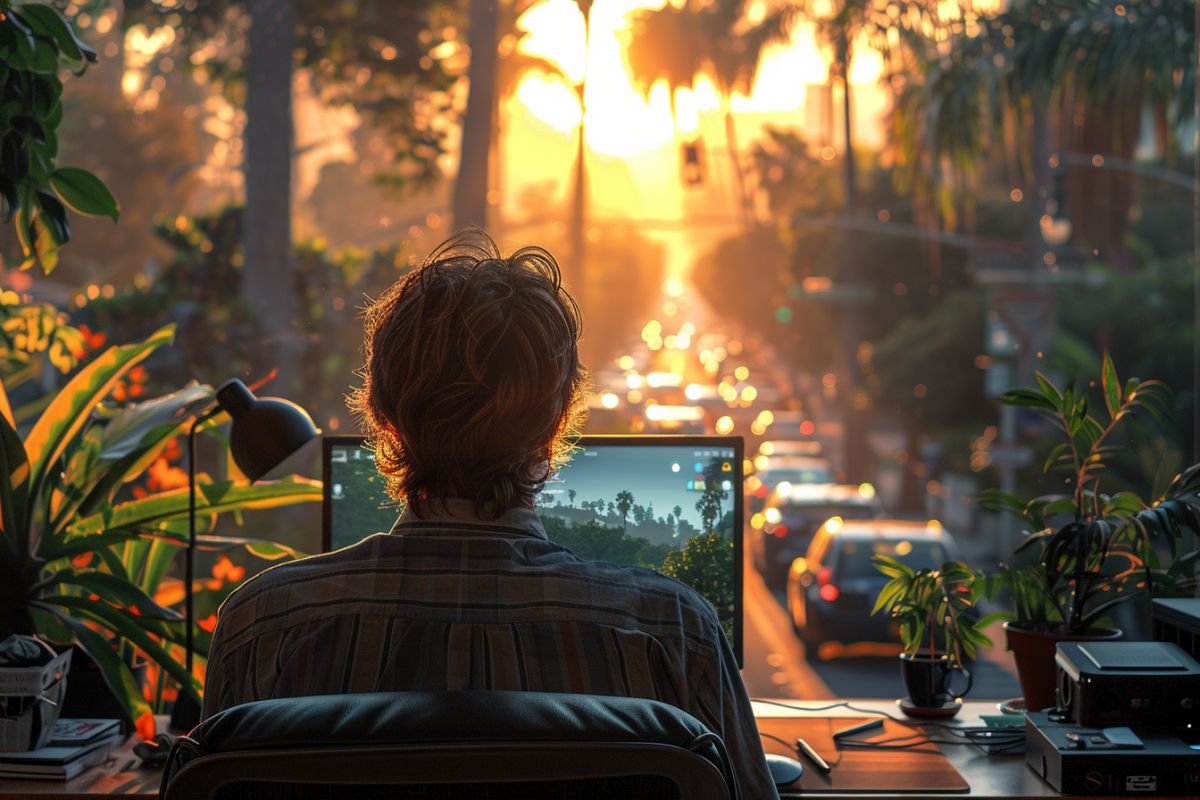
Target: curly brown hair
[[472, 381]]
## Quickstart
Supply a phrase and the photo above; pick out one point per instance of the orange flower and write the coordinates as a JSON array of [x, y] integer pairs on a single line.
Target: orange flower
[[82, 560], [138, 374], [226, 570], [209, 623], [145, 726], [139, 492], [119, 393]]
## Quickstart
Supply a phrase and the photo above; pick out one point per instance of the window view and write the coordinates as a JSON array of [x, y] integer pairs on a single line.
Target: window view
[[933, 261]]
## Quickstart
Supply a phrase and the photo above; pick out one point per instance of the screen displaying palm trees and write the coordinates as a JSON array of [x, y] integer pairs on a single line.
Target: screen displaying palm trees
[[669, 509]]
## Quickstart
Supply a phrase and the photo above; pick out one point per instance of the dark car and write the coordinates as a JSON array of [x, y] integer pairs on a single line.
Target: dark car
[[784, 527], [832, 588]]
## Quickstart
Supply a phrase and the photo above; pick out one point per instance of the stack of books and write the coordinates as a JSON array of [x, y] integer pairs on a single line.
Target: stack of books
[[75, 745]]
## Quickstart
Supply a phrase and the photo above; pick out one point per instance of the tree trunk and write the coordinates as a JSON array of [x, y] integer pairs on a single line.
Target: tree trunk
[[268, 278], [575, 274], [735, 164], [857, 457], [471, 184]]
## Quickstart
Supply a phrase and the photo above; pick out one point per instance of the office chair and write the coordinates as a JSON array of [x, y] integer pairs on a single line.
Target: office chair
[[450, 745]]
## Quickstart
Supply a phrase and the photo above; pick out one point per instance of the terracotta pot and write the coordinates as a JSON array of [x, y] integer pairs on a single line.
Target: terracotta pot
[[1034, 653]]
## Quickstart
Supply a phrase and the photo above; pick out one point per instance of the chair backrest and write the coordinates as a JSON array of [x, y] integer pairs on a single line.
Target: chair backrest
[[472, 744]]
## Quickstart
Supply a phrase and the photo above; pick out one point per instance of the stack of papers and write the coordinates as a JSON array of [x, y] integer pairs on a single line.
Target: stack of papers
[[75, 745]]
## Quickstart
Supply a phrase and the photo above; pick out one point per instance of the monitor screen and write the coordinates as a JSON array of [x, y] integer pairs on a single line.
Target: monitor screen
[[356, 500], [668, 503]]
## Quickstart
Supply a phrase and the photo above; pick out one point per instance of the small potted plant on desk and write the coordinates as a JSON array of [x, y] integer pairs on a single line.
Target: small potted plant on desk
[[940, 630], [1093, 551]]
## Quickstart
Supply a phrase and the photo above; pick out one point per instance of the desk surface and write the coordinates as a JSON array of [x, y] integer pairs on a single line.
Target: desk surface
[[990, 777]]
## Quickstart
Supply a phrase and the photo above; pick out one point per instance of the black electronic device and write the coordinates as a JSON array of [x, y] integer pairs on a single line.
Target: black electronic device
[[1077, 759], [1153, 684], [1177, 620]]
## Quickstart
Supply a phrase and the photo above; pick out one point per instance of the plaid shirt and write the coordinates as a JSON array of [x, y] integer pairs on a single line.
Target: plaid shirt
[[452, 602]]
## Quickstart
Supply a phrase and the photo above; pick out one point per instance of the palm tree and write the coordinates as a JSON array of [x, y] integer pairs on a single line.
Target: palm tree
[[1094, 66], [679, 44], [624, 503]]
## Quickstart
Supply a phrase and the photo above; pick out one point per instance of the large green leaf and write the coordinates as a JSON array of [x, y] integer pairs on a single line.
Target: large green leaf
[[14, 488], [212, 498], [84, 193], [116, 590], [73, 404]]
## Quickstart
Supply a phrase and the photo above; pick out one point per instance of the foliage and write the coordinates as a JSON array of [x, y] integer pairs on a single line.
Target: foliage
[[1104, 554], [30, 330], [924, 368], [200, 290], [679, 43], [1092, 63], [927, 602], [80, 558], [35, 43], [703, 563], [380, 57], [593, 540]]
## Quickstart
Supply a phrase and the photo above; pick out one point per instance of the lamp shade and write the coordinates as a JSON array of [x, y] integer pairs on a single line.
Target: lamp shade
[[265, 430]]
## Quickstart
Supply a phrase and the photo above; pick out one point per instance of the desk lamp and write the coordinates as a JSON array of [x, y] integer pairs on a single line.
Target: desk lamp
[[264, 432]]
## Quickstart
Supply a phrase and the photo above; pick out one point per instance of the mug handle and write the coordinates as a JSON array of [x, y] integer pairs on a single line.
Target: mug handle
[[966, 690]]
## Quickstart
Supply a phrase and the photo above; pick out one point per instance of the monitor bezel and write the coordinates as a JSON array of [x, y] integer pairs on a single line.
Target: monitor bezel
[[737, 443]]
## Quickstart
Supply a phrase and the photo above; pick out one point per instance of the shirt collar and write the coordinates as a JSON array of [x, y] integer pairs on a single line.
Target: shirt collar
[[460, 511]]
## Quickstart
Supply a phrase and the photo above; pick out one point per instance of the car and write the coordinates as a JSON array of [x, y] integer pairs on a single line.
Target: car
[[791, 515], [831, 589], [774, 471]]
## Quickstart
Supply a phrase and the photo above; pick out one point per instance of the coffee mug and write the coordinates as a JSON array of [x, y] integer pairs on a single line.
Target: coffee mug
[[927, 679]]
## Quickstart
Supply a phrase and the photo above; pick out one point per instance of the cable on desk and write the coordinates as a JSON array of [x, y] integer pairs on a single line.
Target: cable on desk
[[963, 733]]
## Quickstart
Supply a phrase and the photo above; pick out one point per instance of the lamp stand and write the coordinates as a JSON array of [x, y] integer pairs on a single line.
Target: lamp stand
[[185, 715]]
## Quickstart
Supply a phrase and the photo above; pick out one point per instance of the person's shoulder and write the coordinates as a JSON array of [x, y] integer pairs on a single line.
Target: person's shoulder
[[285, 576]]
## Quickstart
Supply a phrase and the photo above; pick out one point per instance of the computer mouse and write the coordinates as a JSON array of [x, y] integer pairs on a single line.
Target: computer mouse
[[784, 770]]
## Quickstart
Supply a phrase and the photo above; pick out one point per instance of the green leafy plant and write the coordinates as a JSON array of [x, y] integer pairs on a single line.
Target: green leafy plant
[[1095, 550], [932, 606], [35, 44], [80, 558]]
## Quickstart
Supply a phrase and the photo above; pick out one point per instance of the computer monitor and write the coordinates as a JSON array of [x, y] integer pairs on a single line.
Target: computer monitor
[[668, 503]]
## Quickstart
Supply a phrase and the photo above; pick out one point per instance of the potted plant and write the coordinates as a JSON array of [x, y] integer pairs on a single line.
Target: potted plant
[[939, 628], [1093, 551], [79, 557]]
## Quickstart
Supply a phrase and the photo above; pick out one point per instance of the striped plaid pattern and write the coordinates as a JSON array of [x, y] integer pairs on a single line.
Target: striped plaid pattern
[[453, 602]]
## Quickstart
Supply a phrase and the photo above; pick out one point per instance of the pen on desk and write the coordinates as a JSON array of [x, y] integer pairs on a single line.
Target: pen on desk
[[813, 756], [866, 726]]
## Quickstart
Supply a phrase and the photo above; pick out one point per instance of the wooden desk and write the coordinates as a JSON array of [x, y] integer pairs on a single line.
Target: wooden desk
[[990, 777]]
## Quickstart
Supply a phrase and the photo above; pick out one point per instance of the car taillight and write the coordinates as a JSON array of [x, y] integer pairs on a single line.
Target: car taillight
[[828, 592], [780, 531]]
